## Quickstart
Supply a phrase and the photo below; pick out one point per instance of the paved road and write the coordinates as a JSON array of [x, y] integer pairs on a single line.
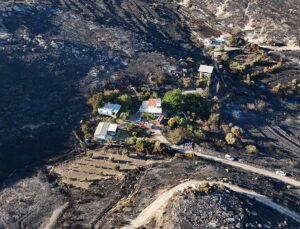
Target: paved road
[[288, 180], [145, 216]]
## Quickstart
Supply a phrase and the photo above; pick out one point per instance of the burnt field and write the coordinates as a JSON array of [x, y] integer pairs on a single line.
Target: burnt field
[[54, 54], [113, 202]]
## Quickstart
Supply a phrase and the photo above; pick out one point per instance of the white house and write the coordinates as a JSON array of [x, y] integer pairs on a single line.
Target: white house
[[152, 106], [110, 109], [205, 70], [105, 130]]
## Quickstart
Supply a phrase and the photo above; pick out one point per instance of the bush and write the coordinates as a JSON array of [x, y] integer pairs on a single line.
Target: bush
[[276, 89], [186, 82], [173, 121], [124, 115], [251, 149], [172, 101], [157, 147], [140, 144], [116, 167], [157, 79], [125, 101], [148, 116], [237, 131], [230, 139], [85, 129], [225, 57], [190, 155], [196, 132], [177, 135], [273, 68], [95, 102]]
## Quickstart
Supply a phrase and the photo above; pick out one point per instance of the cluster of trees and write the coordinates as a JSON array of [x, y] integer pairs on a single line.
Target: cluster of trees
[[194, 104], [112, 96]]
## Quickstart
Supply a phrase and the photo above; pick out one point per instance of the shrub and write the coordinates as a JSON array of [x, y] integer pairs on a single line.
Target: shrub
[[173, 121], [273, 68], [90, 154], [95, 102], [157, 147], [196, 132], [125, 101], [124, 115], [186, 82], [258, 105], [148, 116], [214, 117], [177, 135], [140, 144], [116, 167], [172, 101], [251, 149], [125, 152], [276, 89], [230, 139], [85, 129], [157, 79], [237, 131], [225, 57], [190, 155]]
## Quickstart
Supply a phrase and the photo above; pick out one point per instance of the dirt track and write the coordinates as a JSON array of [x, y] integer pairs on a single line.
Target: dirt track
[[144, 217], [158, 136]]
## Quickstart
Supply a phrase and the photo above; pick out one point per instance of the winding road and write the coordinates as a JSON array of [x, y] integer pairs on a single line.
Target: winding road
[[147, 214], [157, 135]]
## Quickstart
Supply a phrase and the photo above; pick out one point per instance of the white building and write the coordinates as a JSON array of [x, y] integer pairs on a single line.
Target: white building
[[152, 106], [105, 130], [110, 109], [205, 70]]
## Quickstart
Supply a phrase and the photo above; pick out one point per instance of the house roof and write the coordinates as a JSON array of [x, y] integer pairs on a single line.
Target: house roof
[[104, 127], [206, 69], [151, 106], [152, 102], [112, 127], [111, 106]]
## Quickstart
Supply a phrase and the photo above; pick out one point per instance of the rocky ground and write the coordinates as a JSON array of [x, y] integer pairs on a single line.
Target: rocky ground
[[218, 209], [258, 20]]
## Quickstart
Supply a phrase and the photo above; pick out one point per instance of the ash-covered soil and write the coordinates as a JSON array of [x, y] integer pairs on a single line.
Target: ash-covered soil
[[55, 54], [260, 21], [30, 203], [218, 209]]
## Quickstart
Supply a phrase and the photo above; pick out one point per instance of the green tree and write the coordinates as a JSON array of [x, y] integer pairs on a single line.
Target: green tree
[[173, 101], [125, 101]]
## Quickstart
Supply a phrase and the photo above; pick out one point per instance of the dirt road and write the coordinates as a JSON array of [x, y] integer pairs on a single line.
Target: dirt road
[[158, 136], [144, 217], [55, 215]]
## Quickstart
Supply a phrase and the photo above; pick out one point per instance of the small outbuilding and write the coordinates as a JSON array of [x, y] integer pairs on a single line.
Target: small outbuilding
[[110, 109], [205, 70], [105, 130], [152, 106]]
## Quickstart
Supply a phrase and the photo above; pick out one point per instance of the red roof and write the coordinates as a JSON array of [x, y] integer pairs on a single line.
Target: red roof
[[152, 102]]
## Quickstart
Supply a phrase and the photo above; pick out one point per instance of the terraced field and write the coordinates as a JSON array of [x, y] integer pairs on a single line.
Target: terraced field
[[100, 165]]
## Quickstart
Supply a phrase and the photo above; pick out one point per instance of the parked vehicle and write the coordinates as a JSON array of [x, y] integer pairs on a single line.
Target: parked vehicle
[[229, 157], [280, 172]]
